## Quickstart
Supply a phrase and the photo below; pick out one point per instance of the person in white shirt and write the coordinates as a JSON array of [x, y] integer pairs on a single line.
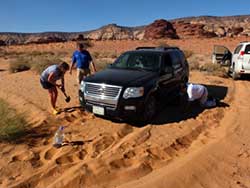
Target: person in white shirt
[[198, 92]]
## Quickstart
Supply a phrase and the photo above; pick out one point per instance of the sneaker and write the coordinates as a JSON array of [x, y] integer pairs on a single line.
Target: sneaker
[[55, 111]]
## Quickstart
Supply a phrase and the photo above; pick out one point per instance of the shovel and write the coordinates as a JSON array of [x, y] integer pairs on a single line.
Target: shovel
[[67, 98]]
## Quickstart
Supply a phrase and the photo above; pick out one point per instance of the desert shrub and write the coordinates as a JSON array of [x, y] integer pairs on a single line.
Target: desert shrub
[[2, 52], [40, 63], [214, 69], [95, 54], [102, 64], [39, 53], [188, 53], [62, 54], [86, 43], [12, 125], [162, 44], [194, 65], [105, 54], [37, 61], [19, 65]]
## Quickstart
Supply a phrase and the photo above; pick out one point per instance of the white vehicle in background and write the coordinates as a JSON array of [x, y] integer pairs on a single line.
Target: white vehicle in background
[[221, 55], [239, 62]]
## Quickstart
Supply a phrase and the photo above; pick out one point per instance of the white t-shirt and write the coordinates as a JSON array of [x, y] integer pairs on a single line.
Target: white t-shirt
[[195, 91]]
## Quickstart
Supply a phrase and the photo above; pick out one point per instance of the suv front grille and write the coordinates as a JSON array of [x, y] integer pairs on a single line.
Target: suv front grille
[[102, 94], [102, 90]]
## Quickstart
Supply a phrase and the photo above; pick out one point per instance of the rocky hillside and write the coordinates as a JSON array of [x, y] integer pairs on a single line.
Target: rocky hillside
[[201, 27]]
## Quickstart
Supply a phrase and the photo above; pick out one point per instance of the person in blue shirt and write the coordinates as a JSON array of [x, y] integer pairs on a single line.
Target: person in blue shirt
[[82, 58], [48, 80]]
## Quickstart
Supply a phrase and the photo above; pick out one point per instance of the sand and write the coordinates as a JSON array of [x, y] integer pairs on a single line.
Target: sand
[[202, 148]]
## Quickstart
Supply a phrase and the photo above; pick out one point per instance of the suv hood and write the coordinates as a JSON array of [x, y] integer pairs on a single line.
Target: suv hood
[[121, 77]]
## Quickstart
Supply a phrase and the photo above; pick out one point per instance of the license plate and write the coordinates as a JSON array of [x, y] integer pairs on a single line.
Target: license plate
[[98, 110]]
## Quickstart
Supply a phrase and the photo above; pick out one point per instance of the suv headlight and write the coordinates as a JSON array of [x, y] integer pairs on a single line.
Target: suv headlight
[[82, 86], [133, 92]]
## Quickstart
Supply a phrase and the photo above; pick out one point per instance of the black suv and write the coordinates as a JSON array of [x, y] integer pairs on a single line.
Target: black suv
[[131, 87]]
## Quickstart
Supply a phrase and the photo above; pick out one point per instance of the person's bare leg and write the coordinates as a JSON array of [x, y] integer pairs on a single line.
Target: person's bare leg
[[53, 97]]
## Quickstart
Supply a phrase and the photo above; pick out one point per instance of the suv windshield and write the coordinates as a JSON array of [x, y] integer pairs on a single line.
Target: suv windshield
[[138, 60]]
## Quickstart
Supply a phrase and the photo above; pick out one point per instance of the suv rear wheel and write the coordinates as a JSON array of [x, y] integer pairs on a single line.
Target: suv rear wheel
[[235, 76]]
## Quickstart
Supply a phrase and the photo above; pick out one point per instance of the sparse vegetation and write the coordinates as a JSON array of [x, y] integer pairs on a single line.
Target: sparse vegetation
[[102, 64], [12, 125], [214, 69], [162, 44], [194, 65], [19, 65], [105, 54], [86, 43], [34, 60], [188, 53], [40, 63]]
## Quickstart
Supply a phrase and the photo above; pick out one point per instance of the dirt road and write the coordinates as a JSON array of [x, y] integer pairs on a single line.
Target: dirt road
[[202, 148]]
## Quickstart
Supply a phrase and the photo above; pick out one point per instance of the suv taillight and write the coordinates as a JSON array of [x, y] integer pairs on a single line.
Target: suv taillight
[[242, 53]]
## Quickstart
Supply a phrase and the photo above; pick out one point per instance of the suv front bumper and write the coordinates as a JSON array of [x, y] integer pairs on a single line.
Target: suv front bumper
[[126, 108]]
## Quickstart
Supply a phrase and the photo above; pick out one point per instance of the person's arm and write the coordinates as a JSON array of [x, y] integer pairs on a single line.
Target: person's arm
[[93, 66], [72, 63], [62, 81], [91, 62], [52, 80]]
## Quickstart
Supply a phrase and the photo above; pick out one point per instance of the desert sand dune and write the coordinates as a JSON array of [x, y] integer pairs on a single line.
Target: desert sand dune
[[201, 148]]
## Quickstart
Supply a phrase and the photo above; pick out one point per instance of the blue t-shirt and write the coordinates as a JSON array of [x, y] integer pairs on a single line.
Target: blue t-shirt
[[82, 59], [53, 68]]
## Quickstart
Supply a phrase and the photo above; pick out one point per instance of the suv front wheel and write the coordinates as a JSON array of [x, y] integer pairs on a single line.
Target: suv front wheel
[[149, 109]]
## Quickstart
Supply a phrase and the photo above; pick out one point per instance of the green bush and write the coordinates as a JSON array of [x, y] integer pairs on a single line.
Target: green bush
[[19, 65], [12, 125]]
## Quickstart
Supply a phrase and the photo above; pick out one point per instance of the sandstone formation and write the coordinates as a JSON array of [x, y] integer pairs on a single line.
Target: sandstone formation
[[160, 29], [111, 32], [201, 27], [187, 30]]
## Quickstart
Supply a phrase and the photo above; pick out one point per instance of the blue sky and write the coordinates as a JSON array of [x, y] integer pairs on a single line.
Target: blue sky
[[83, 15]]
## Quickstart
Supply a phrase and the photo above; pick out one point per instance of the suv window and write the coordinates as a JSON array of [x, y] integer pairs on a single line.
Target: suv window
[[247, 50], [167, 63], [237, 49], [176, 60], [138, 60]]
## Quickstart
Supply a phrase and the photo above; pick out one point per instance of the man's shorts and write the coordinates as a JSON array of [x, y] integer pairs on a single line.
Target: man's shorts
[[46, 85], [81, 74]]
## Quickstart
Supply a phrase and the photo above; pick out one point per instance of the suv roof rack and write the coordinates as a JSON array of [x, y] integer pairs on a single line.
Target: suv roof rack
[[245, 42], [145, 47], [156, 48]]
